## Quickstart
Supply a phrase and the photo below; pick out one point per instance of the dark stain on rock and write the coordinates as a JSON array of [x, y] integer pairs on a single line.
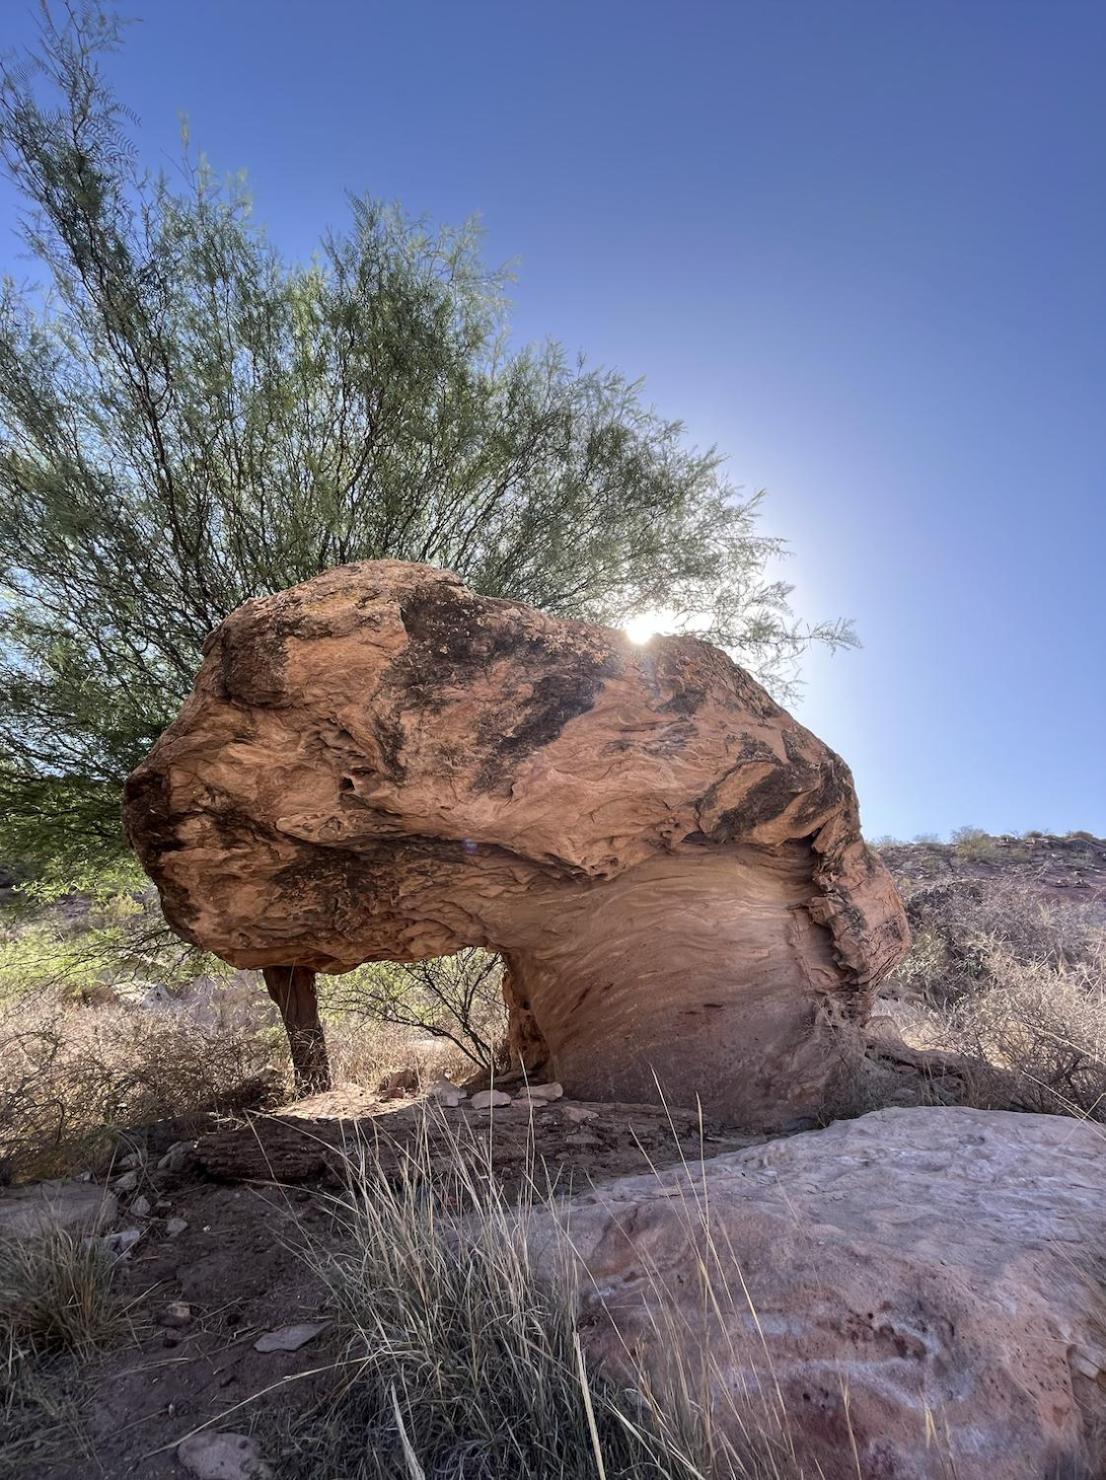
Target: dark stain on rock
[[767, 799], [148, 819], [452, 632], [556, 699], [685, 701]]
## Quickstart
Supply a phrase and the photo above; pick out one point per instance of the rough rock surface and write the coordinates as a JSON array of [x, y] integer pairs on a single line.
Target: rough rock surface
[[380, 764], [943, 1266], [49, 1207]]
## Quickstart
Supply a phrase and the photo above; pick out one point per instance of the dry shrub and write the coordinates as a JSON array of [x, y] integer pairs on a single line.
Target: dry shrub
[[1042, 1029], [457, 998], [1013, 982], [463, 1354], [974, 843], [366, 1051], [71, 1077], [966, 932]]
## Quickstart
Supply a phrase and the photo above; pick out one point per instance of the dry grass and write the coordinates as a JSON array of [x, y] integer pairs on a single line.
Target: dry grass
[[56, 1295], [463, 1353], [72, 1077], [57, 1307], [967, 932]]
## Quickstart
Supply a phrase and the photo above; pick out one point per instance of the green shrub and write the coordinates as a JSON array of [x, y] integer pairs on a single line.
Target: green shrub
[[973, 843]]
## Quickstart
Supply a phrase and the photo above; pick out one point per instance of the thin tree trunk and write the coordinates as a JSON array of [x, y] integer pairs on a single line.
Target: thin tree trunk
[[292, 988]]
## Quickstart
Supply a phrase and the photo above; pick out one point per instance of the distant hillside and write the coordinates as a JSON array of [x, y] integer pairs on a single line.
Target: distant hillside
[[1069, 868]]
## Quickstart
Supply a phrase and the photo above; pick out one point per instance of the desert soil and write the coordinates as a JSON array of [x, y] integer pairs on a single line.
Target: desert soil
[[254, 1195]]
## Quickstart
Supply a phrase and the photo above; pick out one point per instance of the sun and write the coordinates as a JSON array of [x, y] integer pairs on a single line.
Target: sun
[[645, 625]]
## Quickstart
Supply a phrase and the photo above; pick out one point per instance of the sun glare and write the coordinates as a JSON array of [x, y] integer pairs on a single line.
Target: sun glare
[[646, 625]]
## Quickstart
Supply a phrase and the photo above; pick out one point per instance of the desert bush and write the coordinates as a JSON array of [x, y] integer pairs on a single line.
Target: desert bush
[[463, 1354], [82, 945], [72, 1076], [456, 998], [974, 843], [56, 1294], [967, 932], [365, 1051], [1042, 1029]]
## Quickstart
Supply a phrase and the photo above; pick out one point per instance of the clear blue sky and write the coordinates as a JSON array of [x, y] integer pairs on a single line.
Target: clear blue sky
[[860, 246]]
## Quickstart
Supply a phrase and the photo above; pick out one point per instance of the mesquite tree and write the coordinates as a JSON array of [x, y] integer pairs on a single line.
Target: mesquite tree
[[188, 420]]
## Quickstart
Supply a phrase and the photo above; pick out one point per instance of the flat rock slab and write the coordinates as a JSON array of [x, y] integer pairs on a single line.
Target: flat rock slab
[[223, 1457], [944, 1267], [289, 1338], [49, 1207]]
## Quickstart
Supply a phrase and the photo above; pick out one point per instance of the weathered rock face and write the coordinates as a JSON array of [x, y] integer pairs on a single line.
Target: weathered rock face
[[380, 764], [942, 1267]]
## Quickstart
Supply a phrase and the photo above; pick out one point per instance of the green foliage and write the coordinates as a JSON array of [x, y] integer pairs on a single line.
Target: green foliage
[[80, 945], [40, 958], [973, 843], [188, 420]]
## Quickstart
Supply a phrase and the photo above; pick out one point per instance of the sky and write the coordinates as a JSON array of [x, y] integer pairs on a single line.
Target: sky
[[859, 247]]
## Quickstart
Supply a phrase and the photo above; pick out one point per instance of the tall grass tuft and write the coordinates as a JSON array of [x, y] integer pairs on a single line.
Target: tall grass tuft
[[56, 1302], [464, 1358]]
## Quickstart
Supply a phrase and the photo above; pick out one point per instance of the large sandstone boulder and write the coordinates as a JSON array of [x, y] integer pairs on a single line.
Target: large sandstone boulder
[[381, 764], [919, 1293]]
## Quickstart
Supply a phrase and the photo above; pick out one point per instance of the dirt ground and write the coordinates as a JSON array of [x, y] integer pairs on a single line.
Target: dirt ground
[[253, 1195]]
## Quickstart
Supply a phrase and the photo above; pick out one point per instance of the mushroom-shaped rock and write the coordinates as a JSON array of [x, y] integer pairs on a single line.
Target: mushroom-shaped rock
[[380, 764]]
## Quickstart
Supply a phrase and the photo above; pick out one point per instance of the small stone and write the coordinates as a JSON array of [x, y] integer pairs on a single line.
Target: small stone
[[141, 1207], [128, 1182], [176, 1313], [527, 1102], [175, 1158], [578, 1115], [121, 1243], [446, 1093], [489, 1099], [546, 1092], [289, 1338], [174, 1227], [131, 1161], [211, 1456]]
